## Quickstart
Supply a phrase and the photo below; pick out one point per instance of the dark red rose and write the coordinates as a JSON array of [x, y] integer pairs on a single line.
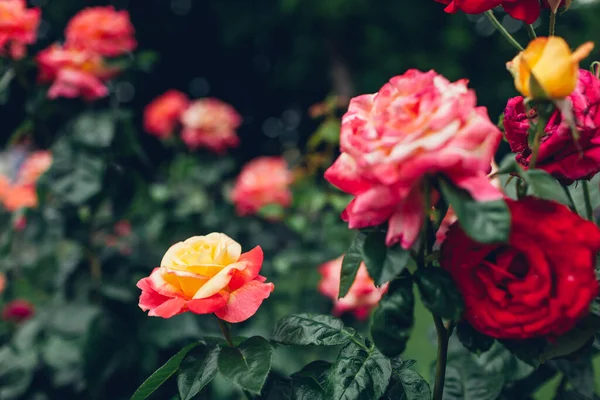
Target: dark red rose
[[559, 155], [537, 285], [17, 310], [524, 10]]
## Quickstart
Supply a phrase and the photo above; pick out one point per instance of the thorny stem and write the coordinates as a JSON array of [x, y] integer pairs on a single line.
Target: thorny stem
[[225, 331], [442, 358], [552, 23], [490, 15], [531, 31], [589, 210]]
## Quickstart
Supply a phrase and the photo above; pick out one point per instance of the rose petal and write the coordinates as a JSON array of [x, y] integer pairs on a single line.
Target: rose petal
[[244, 302]]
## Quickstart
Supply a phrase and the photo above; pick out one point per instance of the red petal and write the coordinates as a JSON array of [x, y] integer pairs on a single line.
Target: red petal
[[253, 259], [208, 305], [524, 10], [244, 302]]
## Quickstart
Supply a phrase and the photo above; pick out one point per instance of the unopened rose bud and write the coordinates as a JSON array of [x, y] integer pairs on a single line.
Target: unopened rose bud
[[547, 69]]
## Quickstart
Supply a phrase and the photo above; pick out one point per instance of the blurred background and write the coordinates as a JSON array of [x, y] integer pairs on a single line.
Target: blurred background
[[271, 60]]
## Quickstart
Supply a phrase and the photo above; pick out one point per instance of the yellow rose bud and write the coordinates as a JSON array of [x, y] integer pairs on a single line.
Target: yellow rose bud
[[547, 69]]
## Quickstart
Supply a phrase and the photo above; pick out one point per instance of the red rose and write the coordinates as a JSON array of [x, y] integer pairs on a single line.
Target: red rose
[[524, 10], [17, 311], [559, 154], [539, 284]]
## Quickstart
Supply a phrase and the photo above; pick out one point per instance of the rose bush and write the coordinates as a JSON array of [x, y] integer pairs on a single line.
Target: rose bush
[[88, 202]]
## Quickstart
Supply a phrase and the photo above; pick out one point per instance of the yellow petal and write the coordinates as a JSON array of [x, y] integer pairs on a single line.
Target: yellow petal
[[219, 281]]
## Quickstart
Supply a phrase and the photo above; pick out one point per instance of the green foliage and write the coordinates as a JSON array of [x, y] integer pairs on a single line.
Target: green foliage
[[198, 368], [358, 373], [439, 293], [383, 263], [351, 262], [248, 364], [485, 222], [162, 374], [393, 319], [306, 329], [471, 339]]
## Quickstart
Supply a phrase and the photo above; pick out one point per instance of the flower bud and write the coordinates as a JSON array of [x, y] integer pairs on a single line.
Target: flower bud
[[547, 69]]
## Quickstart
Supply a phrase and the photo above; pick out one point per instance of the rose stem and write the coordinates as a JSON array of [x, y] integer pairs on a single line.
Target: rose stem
[[589, 211], [552, 23], [503, 30], [571, 201], [225, 331], [541, 127], [442, 357], [442, 332], [530, 31]]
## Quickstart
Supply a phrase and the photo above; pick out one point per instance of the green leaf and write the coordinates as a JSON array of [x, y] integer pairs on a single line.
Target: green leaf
[[358, 374], [474, 341], [484, 222], [248, 364], [309, 383], [196, 371], [351, 263], [162, 374], [393, 319], [466, 381], [439, 293], [383, 263], [545, 186], [93, 129], [307, 329], [415, 386], [579, 374], [528, 350], [75, 175]]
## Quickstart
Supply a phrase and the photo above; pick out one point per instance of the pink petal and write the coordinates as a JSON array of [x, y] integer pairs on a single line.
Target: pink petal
[[253, 259], [344, 175], [169, 308], [479, 186], [244, 302]]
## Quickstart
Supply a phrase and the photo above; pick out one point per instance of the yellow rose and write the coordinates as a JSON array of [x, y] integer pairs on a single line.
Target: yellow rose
[[547, 69], [206, 274]]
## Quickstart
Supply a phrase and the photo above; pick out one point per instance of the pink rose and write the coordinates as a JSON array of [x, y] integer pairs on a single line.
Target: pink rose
[[362, 297], [74, 73], [559, 155], [210, 123], [102, 30], [18, 27], [418, 124], [263, 181], [162, 115]]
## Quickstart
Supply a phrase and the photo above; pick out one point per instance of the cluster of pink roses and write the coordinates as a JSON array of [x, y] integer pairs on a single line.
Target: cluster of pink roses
[[78, 67], [211, 123]]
